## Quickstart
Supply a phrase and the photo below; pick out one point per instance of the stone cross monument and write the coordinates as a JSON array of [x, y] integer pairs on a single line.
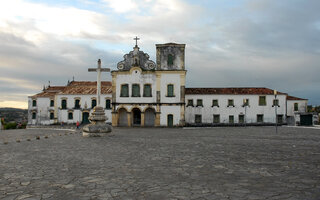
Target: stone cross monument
[[98, 126]]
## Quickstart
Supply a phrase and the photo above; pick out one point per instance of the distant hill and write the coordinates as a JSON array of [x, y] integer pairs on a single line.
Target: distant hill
[[14, 114]]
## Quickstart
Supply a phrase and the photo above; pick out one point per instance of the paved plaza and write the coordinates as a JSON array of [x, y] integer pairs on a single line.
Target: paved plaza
[[161, 163]]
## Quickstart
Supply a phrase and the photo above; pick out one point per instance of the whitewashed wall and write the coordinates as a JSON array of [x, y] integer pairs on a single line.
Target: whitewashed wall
[[136, 77], [170, 79], [207, 111], [302, 106], [165, 111], [42, 111], [77, 113]]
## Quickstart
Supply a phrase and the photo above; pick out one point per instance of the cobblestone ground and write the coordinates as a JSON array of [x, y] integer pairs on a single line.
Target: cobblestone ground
[[201, 163]]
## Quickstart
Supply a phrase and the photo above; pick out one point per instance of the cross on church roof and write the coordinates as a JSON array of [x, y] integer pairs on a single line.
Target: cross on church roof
[[136, 39]]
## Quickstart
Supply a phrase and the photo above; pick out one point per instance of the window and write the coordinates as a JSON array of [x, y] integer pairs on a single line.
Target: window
[[279, 119], [216, 118], [108, 104], [147, 92], [70, 115], [93, 103], [77, 104], [198, 119], [51, 115], [51, 103], [199, 102], [170, 90], [296, 107], [231, 119], [215, 103], [230, 103], [245, 102], [262, 101], [275, 102], [64, 104], [259, 118], [34, 115], [135, 90], [190, 102], [124, 91], [34, 103], [170, 60], [241, 119]]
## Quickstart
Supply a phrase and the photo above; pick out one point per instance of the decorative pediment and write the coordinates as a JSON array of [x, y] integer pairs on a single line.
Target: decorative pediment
[[136, 58]]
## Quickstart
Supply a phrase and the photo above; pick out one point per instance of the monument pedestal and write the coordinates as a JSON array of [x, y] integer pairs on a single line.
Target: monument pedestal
[[98, 126]]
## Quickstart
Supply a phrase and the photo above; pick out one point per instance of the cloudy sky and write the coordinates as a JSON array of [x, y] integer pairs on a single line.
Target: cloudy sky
[[229, 43]]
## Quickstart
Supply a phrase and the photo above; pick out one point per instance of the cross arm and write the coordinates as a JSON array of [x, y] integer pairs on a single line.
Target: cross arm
[[92, 69]]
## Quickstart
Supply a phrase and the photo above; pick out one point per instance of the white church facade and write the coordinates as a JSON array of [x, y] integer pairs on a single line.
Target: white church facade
[[147, 93]]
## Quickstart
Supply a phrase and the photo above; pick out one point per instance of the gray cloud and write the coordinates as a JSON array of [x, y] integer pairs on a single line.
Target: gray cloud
[[264, 43]]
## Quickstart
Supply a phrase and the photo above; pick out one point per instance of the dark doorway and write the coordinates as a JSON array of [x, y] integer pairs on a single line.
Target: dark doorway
[[149, 117], [306, 120], [136, 117], [123, 117], [85, 118], [170, 120]]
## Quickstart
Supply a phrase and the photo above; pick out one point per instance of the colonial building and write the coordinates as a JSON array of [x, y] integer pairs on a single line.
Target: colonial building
[[148, 93]]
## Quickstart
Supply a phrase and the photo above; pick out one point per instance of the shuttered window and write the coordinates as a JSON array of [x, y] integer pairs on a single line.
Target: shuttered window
[[93, 103], [108, 104], [296, 107], [170, 60], [34, 103], [135, 90], [147, 90], [77, 104], [262, 101], [170, 90], [124, 91], [216, 118], [64, 104]]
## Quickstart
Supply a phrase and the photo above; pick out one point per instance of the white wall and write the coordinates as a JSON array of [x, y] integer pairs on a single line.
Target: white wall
[[85, 103], [165, 111], [253, 109], [136, 77], [302, 106], [170, 79], [42, 110]]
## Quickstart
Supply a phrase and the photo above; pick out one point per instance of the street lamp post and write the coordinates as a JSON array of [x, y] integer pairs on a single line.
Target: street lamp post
[[275, 109], [245, 104]]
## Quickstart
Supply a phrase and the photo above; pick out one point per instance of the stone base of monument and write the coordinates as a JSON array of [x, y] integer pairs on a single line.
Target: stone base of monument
[[98, 126]]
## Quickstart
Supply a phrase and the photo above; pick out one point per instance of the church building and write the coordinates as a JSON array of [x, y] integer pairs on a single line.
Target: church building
[[148, 93]]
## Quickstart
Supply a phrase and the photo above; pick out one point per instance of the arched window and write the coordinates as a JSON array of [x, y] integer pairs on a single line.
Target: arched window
[[34, 103], [64, 104], [93, 103], [170, 60]]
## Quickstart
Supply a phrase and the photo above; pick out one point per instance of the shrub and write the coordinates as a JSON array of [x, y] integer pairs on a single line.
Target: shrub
[[10, 125]]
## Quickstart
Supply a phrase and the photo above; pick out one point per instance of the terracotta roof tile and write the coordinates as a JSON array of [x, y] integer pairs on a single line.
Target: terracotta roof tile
[[87, 87], [294, 98], [235, 91]]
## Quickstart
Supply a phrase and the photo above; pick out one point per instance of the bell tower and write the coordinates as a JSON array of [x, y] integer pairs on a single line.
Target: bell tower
[[170, 56]]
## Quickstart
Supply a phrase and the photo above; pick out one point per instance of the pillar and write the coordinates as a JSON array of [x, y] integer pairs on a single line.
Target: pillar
[[142, 119]]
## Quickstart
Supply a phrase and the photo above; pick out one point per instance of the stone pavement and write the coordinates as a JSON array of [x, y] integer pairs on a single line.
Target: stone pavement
[[161, 163]]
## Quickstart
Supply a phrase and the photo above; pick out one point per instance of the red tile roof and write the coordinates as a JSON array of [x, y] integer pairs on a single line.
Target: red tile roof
[[76, 87], [294, 98], [235, 91], [87, 87]]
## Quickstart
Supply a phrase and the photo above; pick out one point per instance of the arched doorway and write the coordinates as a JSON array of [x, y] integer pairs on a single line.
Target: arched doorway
[[149, 117], [123, 117], [85, 118], [136, 117]]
